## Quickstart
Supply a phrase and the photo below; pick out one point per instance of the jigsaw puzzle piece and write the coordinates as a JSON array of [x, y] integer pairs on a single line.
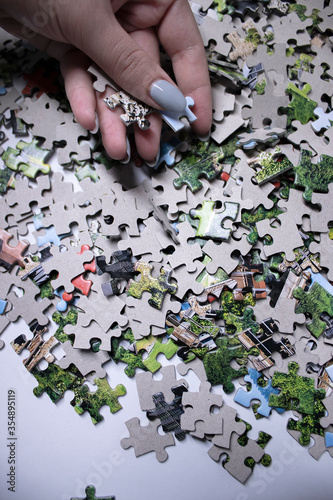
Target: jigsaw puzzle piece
[[157, 287], [11, 255], [86, 361], [146, 439], [203, 161], [27, 158], [173, 118], [314, 302], [295, 387], [210, 220], [257, 392], [54, 381], [84, 400], [90, 495], [237, 455], [147, 386], [198, 408], [169, 414]]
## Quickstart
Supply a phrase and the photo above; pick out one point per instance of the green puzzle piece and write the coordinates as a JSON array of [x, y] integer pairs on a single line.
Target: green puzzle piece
[[314, 302], [90, 495], [210, 225], [250, 218], [84, 170], [158, 287], [309, 424], [133, 355], [217, 364], [201, 161], [157, 347], [244, 322], [295, 387], [128, 356], [5, 175], [55, 381], [84, 400], [27, 158], [313, 176], [301, 107], [62, 321], [272, 164]]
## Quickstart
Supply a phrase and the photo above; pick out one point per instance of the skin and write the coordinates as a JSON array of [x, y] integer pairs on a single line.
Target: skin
[[123, 38]]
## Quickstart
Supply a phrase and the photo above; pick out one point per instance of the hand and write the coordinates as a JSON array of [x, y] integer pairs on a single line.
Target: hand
[[123, 38]]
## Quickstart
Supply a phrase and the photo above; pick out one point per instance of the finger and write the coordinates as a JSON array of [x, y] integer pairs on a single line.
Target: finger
[[102, 38], [112, 129], [181, 38], [148, 141], [78, 86]]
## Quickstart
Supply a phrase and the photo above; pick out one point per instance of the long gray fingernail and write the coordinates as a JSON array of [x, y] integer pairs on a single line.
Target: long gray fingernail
[[168, 96]]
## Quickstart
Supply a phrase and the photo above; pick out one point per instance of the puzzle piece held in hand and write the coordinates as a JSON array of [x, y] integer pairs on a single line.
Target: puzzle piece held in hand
[[173, 118], [134, 112]]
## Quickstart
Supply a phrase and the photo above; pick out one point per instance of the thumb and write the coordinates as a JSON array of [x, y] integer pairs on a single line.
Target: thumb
[[105, 41]]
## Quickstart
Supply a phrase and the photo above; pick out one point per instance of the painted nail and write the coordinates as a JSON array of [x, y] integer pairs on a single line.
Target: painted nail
[[128, 152], [96, 128], [168, 96]]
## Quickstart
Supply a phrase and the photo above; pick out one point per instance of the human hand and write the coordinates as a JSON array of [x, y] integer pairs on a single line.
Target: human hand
[[123, 38]]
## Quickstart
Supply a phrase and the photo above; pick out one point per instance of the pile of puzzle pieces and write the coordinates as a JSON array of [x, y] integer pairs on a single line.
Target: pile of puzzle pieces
[[221, 258]]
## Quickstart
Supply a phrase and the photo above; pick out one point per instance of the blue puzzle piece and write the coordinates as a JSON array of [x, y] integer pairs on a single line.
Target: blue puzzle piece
[[165, 149], [173, 119], [262, 394], [3, 304], [50, 235], [329, 439]]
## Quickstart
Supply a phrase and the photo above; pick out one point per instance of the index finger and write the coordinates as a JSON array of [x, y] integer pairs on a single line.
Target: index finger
[[180, 37]]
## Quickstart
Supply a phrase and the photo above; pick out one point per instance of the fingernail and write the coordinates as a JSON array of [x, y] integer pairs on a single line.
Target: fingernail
[[95, 130], [128, 152], [153, 164], [168, 96], [204, 138]]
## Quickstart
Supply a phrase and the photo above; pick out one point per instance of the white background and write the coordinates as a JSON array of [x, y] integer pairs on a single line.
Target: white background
[[60, 452]]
